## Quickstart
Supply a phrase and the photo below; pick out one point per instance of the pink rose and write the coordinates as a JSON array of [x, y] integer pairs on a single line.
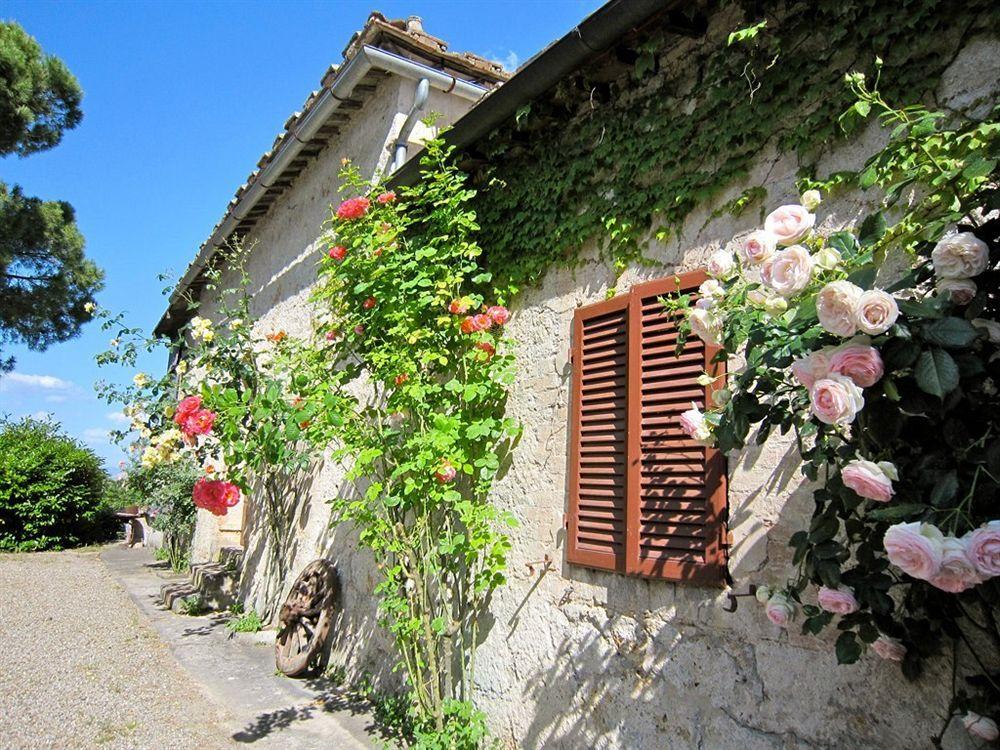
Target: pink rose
[[836, 305], [789, 271], [499, 314], [869, 479], [889, 648], [859, 361], [215, 496], [387, 197], [789, 224], [983, 545], [706, 325], [779, 609], [446, 473], [353, 208], [198, 423], [720, 264], [840, 600], [876, 312], [915, 548], [836, 399], [981, 727], [695, 427], [811, 368], [757, 247], [958, 572]]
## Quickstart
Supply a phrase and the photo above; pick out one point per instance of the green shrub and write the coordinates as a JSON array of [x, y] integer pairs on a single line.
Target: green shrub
[[244, 622], [52, 489], [165, 489]]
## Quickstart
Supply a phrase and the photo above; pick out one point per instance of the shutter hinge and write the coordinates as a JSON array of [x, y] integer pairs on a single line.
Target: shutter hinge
[[571, 355], [727, 539], [565, 521]]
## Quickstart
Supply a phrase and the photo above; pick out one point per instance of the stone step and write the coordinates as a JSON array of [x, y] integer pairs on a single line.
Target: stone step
[[216, 584]]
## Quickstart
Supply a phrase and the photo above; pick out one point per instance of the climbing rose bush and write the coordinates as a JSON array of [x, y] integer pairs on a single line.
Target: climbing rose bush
[[888, 385]]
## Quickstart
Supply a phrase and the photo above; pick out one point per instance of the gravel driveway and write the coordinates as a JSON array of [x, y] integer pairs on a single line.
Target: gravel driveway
[[79, 667]]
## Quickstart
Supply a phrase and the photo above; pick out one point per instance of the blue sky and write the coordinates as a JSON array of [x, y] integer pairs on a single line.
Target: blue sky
[[180, 100]]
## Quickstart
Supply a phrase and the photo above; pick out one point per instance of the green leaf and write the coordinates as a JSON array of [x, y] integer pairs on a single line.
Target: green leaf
[[848, 648], [954, 333], [872, 229], [945, 489], [936, 372], [896, 512]]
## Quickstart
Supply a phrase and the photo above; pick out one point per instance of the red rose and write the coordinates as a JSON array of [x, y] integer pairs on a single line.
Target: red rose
[[198, 423], [338, 252], [215, 495], [487, 347], [353, 208], [186, 408], [401, 378], [446, 473], [369, 303], [468, 324], [483, 322], [458, 307], [499, 314], [359, 330], [387, 197], [331, 335]]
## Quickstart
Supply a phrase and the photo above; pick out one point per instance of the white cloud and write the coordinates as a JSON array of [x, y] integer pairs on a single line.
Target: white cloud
[[118, 418], [56, 398], [510, 60], [44, 382], [96, 435]]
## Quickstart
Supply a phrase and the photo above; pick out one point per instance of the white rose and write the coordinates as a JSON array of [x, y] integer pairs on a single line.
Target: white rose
[[89, 307], [757, 297], [836, 305], [811, 199], [695, 427], [789, 224], [757, 247], [721, 264], [827, 258], [141, 380], [959, 291], [775, 306], [960, 256], [789, 272], [876, 312], [706, 325], [711, 288]]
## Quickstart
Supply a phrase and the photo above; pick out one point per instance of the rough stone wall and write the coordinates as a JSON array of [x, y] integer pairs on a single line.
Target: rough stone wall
[[585, 659], [589, 659]]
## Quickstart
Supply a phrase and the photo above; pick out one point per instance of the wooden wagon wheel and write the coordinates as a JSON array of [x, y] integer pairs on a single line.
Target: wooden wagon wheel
[[305, 618]]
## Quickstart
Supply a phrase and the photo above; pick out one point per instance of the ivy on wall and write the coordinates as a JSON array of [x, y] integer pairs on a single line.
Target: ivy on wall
[[662, 124]]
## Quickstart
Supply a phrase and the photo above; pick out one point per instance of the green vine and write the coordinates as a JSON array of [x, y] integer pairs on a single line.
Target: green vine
[[612, 161]]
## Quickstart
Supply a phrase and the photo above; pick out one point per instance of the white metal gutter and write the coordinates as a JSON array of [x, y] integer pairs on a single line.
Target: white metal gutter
[[340, 88]]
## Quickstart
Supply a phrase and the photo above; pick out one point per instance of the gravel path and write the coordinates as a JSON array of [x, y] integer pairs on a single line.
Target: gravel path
[[80, 668]]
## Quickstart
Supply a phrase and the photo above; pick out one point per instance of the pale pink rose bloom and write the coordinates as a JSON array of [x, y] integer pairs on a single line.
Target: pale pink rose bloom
[[915, 548], [720, 264], [983, 545], [757, 247], [836, 399], [859, 361], [869, 480], [960, 256], [991, 327], [957, 572], [836, 305], [706, 325], [876, 312], [981, 727], [757, 297], [959, 291], [779, 609], [889, 648], [695, 427], [789, 224], [789, 271], [840, 600], [811, 368]]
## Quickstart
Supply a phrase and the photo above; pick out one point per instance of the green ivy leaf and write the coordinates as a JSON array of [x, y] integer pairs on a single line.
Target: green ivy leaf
[[872, 229], [936, 373]]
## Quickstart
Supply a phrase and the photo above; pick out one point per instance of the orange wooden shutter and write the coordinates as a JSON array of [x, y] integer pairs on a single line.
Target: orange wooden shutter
[[677, 489], [599, 417]]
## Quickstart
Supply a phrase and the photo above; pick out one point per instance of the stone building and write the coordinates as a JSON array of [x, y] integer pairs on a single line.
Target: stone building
[[579, 656]]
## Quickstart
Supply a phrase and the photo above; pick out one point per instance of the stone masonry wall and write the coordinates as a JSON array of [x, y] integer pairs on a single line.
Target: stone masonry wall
[[575, 658]]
